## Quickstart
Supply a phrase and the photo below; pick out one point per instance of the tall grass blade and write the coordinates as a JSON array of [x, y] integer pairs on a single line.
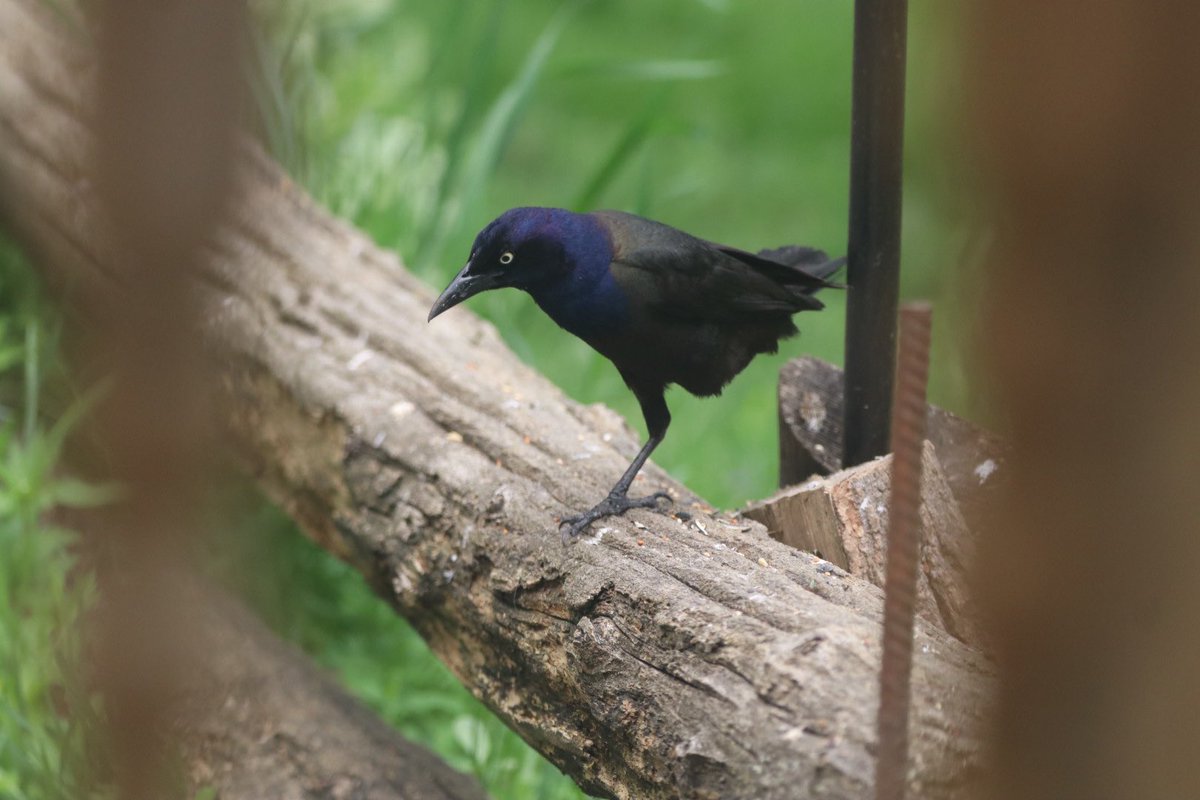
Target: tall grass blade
[[644, 199], [622, 152], [652, 70], [473, 100], [497, 129], [33, 380], [279, 80]]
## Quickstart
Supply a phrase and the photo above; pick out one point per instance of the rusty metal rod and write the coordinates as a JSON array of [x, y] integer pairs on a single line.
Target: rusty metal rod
[[873, 252], [903, 550]]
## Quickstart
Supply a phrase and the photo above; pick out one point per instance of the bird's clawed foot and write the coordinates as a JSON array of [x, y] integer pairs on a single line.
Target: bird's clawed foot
[[612, 506]]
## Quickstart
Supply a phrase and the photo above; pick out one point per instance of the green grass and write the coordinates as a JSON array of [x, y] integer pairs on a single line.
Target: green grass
[[45, 714]]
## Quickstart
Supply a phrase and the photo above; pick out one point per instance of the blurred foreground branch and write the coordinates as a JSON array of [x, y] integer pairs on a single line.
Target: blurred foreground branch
[[656, 659]]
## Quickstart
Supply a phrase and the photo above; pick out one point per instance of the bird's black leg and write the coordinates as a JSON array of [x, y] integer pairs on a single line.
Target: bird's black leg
[[654, 409]]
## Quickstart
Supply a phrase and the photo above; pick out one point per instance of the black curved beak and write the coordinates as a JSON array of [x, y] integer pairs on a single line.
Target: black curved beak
[[463, 286]]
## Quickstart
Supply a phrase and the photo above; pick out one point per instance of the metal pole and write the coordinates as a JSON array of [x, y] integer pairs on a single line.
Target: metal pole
[[873, 254]]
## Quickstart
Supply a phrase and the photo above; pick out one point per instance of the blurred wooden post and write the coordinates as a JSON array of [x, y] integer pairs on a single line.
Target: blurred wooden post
[[168, 89], [1088, 126], [873, 257]]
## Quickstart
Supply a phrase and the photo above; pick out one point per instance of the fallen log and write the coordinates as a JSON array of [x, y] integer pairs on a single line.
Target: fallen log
[[652, 659], [258, 719]]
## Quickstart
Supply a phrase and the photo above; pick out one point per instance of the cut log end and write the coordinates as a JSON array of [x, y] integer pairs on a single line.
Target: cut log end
[[843, 518], [810, 437]]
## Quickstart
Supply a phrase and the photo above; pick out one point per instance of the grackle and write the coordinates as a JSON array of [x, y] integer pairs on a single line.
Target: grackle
[[664, 306]]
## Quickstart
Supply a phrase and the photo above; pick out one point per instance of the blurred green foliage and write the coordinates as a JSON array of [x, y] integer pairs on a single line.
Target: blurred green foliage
[[420, 121], [46, 714]]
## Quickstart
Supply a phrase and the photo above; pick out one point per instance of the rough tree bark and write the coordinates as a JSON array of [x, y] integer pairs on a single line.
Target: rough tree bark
[[653, 659]]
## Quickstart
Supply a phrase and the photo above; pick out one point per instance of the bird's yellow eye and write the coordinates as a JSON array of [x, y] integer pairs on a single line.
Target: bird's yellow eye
[[506, 258]]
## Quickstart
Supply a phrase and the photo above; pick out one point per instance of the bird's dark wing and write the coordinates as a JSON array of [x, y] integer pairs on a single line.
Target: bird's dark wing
[[684, 277]]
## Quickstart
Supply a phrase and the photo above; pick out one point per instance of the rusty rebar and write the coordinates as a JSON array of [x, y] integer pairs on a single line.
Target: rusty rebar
[[903, 550]]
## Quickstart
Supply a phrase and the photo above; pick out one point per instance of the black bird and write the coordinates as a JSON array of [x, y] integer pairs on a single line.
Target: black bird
[[664, 306]]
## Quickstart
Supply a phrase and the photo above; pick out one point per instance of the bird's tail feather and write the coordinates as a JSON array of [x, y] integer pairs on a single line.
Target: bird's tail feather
[[794, 255], [811, 260], [825, 271]]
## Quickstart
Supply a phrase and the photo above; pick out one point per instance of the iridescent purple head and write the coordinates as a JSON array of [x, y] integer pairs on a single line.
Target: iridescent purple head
[[539, 250]]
